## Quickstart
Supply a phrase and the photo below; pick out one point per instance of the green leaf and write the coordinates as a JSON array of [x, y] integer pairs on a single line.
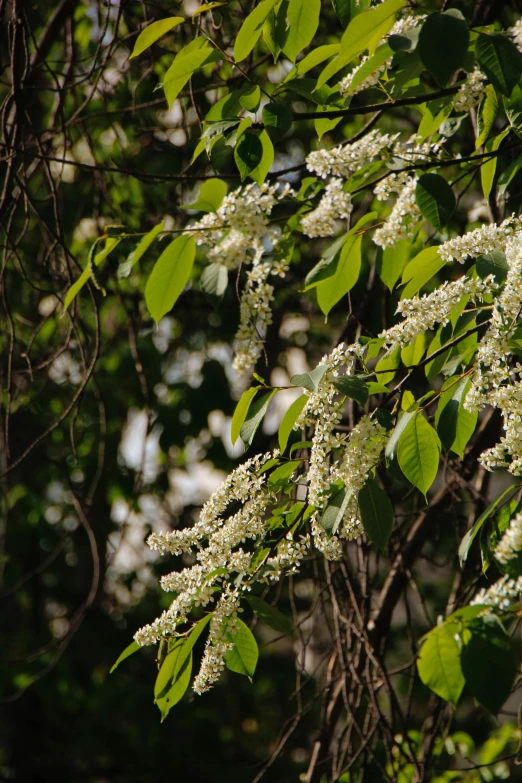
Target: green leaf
[[132, 648], [343, 9], [486, 115], [279, 477], [314, 58], [330, 291], [277, 118], [274, 29], [513, 109], [309, 380], [500, 60], [242, 658], [207, 7], [443, 44], [488, 169], [173, 694], [418, 453], [335, 510], [508, 175], [210, 196], [413, 353], [302, 20], [86, 275], [169, 277], [214, 279], [472, 533], [392, 260], [455, 425], [167, 669], [185, 64], [153, 32], [248, 154], [124, 269], [376, 513], [251, 29], [420, 270], [254, 418], [271, 616], [397, 432], [494, 263], [439, 663], [488, 662], [260, 173], [353, 387], [363, 32], [251, 98], [435, 199], [241, 411], [385, 367], [289, 419]]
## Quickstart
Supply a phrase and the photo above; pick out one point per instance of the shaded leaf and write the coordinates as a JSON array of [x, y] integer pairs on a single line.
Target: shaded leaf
[[376, 513], [289, 419], [271, 616]]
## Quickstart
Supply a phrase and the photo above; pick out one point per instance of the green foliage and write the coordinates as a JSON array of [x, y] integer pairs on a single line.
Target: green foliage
[[443, 44], [418, 453], [376, 513], [435, 199], [169, 277], [153, 32]]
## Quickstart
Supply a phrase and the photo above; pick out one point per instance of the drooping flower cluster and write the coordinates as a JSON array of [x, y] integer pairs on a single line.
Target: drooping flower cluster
[[343, 160], [403, 220], [422, 313], [470, 93], [481, 240], [500, 595], [239, 234], [335, 205], [516, 34], [511, 542]]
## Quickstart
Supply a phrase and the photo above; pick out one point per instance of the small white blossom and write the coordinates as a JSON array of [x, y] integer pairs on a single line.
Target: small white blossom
[[481, 240], [403, 220], [500, 595], [470, 93], [511, 542], [334, 205]]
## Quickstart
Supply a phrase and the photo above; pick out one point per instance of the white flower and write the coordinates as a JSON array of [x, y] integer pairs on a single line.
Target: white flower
[[479, 241], [403, 220], [511, 542], [500, 595], [516, 34], [334, 205], [470, 92], [343, 160]]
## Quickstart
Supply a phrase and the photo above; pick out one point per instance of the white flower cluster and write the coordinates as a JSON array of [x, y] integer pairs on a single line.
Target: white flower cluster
[[511, 542], [334, 205], [403, 219], [500, 595], [239, 234], [422, 313], [516, 34], [343, 160], [470, 92], [219, 642], [481, 240]]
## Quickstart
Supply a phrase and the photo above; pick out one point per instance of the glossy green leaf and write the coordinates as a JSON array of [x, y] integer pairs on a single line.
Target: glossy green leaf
[[488, 662], [302, 20], [413, 353], [289, 419], [385, 367], [185, 64], [494, 263], [242, 658], [455, 424], [254, 418], [391, 262], [376, 513], [353, 387], [439, 663], [279, 477], [443, 44], [277, 118], [132, 648], [207, 7], [314, 58], [332, 290], [124, 269], [309, 380], [381, 56], [153, 32], [465, 544], [271, 616], [86, 275], [210, 196], [486, 115], [363, 32], [508, 175], [241, 411], [275, 30], [251, 29], [169, 276], [177, 690], [420, 270], [334, 512], [500, 60], [489, 167], [418, 453], [435, 199], [401, 425]]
